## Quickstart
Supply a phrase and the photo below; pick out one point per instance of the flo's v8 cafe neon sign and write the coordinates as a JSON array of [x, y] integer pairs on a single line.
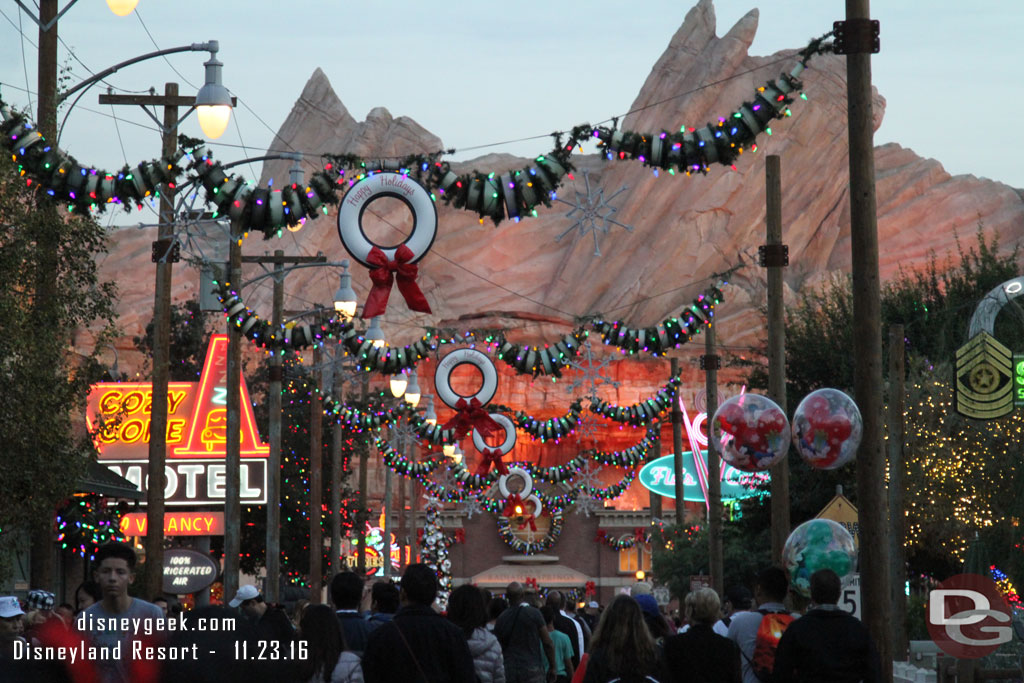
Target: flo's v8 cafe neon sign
[[119, 414]]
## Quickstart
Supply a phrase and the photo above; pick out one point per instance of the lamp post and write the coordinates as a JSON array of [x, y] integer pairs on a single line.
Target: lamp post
[[215, 99]]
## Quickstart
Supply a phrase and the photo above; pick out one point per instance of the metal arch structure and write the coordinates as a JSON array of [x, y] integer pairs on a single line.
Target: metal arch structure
[[984, 318]]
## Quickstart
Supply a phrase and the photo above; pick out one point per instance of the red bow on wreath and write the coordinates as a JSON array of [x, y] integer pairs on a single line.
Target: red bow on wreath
[[589, 588], [513, 506], [601, 536], [530, 582], [528, 520], [383, 277], [492, 456], [470, 416], [460, 535], [640, 534]]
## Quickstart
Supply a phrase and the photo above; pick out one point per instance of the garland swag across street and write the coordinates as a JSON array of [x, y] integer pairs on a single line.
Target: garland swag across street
[[494, 195]]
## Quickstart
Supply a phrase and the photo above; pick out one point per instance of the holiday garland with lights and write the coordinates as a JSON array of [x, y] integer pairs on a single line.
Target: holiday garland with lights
[[531, 547], [625, 541], [548, 359], [435, 553], [85, 523]]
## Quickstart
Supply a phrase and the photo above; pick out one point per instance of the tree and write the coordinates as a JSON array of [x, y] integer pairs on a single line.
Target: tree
[[190, 336], [45, 381]]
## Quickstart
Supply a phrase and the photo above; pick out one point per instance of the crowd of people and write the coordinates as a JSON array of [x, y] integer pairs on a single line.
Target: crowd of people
[[518, 637]]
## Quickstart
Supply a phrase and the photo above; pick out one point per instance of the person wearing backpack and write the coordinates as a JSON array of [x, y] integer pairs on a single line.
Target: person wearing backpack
[[757, 633], [827, 644]]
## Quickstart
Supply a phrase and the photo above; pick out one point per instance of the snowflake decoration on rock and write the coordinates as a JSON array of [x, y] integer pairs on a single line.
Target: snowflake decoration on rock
[[587, 429], [591, 370], [593, 213]]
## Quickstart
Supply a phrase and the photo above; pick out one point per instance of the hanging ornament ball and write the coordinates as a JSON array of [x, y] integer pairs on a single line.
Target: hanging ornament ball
[[818, 544], [478, 359], [516, 473], [378, 186], [752, 432], [507, 443], [827, 428]]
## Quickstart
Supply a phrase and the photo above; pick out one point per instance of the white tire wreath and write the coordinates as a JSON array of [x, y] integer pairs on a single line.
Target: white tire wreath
[[378, 186], [479, 360], [510, 435], [538, 507], [522, 474]]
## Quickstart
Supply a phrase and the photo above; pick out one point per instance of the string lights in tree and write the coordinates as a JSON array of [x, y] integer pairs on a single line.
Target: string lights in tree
[[84, 523]]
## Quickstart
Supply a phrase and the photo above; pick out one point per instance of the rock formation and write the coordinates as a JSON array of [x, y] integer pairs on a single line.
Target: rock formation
[[685, 229]]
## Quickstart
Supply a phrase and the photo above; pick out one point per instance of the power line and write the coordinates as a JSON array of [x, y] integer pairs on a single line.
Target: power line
[[152, 40], [24, 62]]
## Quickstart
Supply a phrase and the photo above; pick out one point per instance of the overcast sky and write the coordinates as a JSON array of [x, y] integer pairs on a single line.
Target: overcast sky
[[482, 72]]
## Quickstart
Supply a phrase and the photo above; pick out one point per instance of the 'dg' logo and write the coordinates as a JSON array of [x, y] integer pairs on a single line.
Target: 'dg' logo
[[967, 617]]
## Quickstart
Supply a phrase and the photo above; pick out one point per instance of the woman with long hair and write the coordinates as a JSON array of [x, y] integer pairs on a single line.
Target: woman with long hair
[[467, 609], [622, 648], [328, 661]]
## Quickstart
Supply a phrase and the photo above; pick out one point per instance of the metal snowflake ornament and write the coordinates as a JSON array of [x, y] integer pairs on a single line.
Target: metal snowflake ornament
[[588, 429], [472, 506], [587, 504], [592, 212], [587, 477], [592, 371]]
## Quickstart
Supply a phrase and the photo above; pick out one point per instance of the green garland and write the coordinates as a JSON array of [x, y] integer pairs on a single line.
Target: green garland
[[403, 465], [494, 195], [641, 413], [548, 359], [356, 418], [555, 428], [90, 189]]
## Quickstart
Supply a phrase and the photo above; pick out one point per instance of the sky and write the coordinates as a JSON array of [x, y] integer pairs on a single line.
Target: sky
[[476, 73]]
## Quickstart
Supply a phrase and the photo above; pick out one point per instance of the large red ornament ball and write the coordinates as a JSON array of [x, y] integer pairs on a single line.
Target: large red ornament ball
[[751, 431], [827, 428]]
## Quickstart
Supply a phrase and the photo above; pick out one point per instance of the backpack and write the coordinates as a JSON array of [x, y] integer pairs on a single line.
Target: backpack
[[773, 625]]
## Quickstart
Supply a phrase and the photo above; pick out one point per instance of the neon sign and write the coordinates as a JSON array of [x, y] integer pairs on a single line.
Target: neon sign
[[119, 413], [659, 476], [375, 553]]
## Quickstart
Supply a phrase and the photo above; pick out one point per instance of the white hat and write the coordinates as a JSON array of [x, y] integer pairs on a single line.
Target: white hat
[[593, 605], [244, 593], [9, 607]]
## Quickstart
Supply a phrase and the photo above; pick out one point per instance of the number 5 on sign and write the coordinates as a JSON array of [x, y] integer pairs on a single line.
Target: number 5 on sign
[[849, 599]]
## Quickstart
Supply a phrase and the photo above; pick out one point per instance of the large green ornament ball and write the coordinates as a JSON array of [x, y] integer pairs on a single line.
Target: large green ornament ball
[[818, 544]]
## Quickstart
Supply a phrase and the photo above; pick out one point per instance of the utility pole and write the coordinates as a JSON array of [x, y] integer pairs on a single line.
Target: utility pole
[[858, 36], [46, 300], [233, 425], [337, 432], [361, 513], [273, 556], [388, 483], [316, 486], [165, 255], [775, 256], [712, 363], [677, 452], [897, 559], [656, 498]]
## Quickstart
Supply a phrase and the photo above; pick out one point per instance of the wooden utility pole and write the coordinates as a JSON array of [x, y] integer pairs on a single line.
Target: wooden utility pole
[[677, 453], [656, 498], [711, 365], [898, 571], [273, 551], [233, 425], [165, 254], [388, 483], [867, 336], [46, 301], [775, 256], [361, 513], [337, 563], [316, 486]]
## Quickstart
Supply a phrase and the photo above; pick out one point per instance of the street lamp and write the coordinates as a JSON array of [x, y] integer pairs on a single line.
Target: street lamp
[[398, 383], [429, 416], [213, 101], [448, 450], [122, 8], [457, 454], [412, 392], [375, 334]]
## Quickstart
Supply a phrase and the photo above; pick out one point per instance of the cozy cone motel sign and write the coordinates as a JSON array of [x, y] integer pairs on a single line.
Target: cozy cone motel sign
[[119, 414]]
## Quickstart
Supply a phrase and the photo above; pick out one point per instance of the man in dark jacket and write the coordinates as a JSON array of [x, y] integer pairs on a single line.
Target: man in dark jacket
[[418, 645], [826, 644], [346, 594]]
